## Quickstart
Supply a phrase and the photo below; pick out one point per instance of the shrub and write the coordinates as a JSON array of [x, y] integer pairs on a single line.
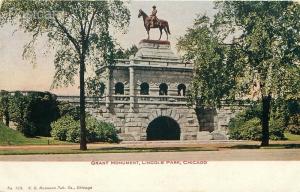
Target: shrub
[[276, 129], [27, 128], [101, 131], [61, 127], [73, 133], [245, 130], [294, 125], [68, 129], [43, 111], [251, 130], [247, 125], [32, 112], [68, 109]]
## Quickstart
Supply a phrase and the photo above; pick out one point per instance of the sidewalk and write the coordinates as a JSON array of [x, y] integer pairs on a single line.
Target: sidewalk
[[220, 144], [224, 155]]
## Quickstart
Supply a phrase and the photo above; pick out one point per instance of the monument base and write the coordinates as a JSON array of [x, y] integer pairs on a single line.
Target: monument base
[[156, 50], [155, 41]]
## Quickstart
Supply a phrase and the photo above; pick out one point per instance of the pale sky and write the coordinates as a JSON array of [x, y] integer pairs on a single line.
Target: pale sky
[[19, 74]]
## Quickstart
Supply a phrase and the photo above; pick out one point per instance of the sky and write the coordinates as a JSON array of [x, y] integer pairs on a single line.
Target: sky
[[19, 74]]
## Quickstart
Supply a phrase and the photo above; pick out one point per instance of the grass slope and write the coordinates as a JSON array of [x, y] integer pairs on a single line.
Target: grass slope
[[9, 136]]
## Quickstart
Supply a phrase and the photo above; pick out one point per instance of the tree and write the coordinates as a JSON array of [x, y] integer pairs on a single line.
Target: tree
[[125, 54], [214, 72], [19, 112], [4, 107], [264, 53], [77, 30]]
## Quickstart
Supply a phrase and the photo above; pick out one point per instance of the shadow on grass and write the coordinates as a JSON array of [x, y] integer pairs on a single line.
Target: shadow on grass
[[283, 146], [241, 147], [152, 149], [271, 146]]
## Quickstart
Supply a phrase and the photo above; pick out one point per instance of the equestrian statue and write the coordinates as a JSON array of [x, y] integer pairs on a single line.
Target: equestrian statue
[[153, 22]]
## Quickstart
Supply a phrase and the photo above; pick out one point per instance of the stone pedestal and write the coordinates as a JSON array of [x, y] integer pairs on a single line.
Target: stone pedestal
[[153, 49]]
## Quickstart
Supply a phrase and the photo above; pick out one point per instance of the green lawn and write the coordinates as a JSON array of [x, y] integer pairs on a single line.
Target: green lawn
[[9, 136], [292, 137]]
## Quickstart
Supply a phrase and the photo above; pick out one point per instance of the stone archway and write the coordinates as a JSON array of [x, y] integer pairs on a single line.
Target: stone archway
[[163, 128]]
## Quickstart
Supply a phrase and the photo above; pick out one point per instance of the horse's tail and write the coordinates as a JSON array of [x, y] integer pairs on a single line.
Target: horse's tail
[[168, 28]]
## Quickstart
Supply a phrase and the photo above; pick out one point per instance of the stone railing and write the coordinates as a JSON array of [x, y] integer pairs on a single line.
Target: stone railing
[[150, 62], [125, 99], [144, 99], [76, 99], [162, 63], [160, 99], [120, 98]]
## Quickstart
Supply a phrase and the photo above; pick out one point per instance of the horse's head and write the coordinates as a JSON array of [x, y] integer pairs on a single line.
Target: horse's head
[[140, 13]]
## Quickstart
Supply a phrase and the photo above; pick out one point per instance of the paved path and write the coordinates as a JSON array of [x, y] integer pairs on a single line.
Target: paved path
[[222, 151], [223, 155], [148, 144]]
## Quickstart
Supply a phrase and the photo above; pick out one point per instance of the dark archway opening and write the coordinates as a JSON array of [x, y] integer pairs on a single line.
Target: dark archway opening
[[163, 128], [119, 88], [163, 89], [181, 89], [144, 89]]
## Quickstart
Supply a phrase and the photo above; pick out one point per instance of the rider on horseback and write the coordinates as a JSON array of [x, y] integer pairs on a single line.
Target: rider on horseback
[[153, 17], [153, 22]]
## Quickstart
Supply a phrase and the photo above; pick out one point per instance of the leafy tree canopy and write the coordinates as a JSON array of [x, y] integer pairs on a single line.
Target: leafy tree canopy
[[268, 47], [249, 46], [261, 59], [76, 30]]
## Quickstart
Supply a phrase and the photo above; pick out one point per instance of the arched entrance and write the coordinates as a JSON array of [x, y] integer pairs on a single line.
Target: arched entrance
[[163, 128]]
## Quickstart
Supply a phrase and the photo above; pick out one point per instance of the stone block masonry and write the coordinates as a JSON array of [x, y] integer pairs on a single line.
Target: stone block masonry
[[145, 98]]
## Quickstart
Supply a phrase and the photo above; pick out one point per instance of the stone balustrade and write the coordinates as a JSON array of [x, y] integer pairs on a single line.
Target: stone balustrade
[[76, 99], [153, 63], [124, 99], [163, 99]]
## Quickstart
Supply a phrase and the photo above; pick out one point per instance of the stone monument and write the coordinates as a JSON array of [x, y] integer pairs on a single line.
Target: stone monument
[[145, 95]]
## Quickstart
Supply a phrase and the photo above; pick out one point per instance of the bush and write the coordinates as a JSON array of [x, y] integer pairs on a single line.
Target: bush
[[68, 129], [73, 133], [69, 109], [245, 130], [101, 131], [294, 125], [61, 127], [252, 130], [276, 129], [27, 128], [32, 112], [43, 111]]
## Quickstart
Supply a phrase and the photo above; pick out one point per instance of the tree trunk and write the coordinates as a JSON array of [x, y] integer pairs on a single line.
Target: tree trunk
[[266, 101], [83, 145], [6, 116]]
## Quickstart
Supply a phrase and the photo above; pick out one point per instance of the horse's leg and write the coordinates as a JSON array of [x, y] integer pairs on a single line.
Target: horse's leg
[[166, 33], [160, 29], [147, 29]]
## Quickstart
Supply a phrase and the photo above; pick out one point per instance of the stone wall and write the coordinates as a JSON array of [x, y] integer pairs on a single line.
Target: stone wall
[[133, 125], [200, 124]]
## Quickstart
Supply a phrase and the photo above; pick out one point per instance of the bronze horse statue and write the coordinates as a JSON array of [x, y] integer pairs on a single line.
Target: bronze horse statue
[[161, 24]]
